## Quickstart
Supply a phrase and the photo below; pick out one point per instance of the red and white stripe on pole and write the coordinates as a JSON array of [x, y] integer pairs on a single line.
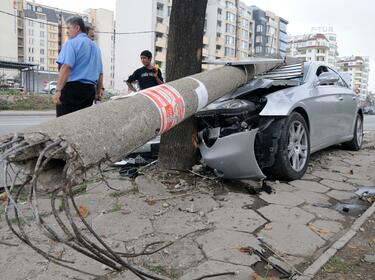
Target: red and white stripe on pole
[[170, 104]]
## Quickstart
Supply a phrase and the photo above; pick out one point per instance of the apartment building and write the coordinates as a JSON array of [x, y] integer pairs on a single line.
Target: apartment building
[[102, 21], [319, 45], [312, 47], [270, 33], [228, 33], [357, 68], [43, 32], [328, 31]]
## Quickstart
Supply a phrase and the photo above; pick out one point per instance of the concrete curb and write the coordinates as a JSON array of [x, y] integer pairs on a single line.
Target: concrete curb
[[315, 267]]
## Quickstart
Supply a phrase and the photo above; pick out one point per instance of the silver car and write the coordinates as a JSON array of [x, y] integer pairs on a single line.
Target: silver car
[[271, 125]]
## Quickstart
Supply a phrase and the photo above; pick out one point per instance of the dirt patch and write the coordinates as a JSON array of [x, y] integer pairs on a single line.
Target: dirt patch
[[349, 263]]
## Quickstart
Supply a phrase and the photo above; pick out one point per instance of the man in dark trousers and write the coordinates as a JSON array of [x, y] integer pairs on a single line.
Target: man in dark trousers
[[146, 76], [80, 68]]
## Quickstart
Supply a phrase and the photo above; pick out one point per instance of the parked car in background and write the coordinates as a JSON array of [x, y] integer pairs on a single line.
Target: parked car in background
[[50, 87], [369, 110], [271, 125]]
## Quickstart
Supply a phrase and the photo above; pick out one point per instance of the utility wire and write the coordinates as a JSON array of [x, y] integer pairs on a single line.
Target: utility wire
[[100, 32]]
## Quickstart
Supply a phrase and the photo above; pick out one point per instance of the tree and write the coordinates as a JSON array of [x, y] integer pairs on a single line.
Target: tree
[[184, 58]]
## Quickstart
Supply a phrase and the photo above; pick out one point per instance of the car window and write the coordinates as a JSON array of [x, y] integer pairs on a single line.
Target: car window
[[340, 82], [320, 70], [323, 69]]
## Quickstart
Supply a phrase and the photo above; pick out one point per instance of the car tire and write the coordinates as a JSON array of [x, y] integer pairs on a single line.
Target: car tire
[[293, 155], [356, 143], [52, 91]]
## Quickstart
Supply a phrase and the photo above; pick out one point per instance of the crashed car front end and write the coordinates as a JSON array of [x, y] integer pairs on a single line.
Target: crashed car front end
[[236, 139], [228, 131]]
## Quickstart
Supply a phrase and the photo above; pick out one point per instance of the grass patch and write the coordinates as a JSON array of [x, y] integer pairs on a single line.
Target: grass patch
[[339, 265], [115, 208], [26, 102], [162, 270], [80, 189], [134, 189]]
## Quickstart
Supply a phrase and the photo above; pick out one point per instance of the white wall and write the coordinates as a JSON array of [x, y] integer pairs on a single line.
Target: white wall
[[105, 23], [8, 41], [132, 16]]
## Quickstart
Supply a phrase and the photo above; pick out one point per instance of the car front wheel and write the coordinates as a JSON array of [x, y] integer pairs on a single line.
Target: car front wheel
[[293, 156], [52, 91]]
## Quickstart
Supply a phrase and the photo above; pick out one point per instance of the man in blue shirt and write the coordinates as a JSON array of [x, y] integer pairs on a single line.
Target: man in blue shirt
[[80, 69]]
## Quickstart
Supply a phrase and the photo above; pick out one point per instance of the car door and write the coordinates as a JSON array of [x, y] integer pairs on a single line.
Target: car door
[[324, 110], [347, 109]]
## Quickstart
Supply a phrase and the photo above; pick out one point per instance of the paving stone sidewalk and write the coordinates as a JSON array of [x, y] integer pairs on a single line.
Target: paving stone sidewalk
[[208, 224]]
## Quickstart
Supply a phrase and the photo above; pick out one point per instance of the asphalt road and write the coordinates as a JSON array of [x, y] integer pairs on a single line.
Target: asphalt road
[[369, 123], [12, 123]]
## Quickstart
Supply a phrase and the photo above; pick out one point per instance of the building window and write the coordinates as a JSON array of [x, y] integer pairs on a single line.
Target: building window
[[31, 41], [245, 34], [229, 5], [258, 49], [229, 40], [244, 44], [259, 28], [41, 60], [229, 52], [230, 17], [219, 11], [40, 16], [245, 24], [41, 25], [30, 23], [258, 39], [230, 28], [42, 34], [42, 51]]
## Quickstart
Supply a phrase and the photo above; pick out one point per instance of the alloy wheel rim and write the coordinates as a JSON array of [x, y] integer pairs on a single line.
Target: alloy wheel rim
[[297, 146]]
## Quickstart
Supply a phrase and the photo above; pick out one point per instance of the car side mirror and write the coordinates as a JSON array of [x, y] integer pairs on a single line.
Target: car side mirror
[[327, 78]]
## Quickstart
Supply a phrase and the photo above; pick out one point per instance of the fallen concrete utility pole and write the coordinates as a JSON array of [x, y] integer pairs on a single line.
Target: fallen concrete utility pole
[[56, 155]]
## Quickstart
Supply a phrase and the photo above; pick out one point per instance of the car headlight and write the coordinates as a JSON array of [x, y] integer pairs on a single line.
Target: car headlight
[[233, 104]]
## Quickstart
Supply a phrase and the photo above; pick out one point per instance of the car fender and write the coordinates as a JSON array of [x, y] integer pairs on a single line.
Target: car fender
[[284, 102]]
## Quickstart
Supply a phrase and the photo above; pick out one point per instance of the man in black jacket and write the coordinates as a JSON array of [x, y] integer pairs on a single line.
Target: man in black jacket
[[146, 76]]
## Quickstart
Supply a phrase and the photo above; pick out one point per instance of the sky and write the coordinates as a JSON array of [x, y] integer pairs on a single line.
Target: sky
[[352, 21]]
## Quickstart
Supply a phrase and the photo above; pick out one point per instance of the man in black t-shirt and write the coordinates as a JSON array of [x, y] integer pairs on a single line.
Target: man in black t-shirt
[[147, 76]]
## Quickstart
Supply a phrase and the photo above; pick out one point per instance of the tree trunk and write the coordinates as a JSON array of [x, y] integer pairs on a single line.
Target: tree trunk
[[184, 57]]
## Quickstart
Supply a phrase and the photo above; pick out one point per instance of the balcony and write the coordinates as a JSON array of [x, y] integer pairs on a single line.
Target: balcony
[[220, 41], [205, 40], [220, 53], [161, 42], [161, 28], [161, 56], [204, 52]]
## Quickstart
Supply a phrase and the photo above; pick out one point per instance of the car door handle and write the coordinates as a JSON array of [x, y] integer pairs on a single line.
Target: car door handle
[[341, 98]]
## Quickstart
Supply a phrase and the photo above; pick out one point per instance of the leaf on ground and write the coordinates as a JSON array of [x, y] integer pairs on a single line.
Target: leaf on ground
[[318, 230], [268, 227], [4, 197], [151, 202], [83, 211], [246, 250]]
